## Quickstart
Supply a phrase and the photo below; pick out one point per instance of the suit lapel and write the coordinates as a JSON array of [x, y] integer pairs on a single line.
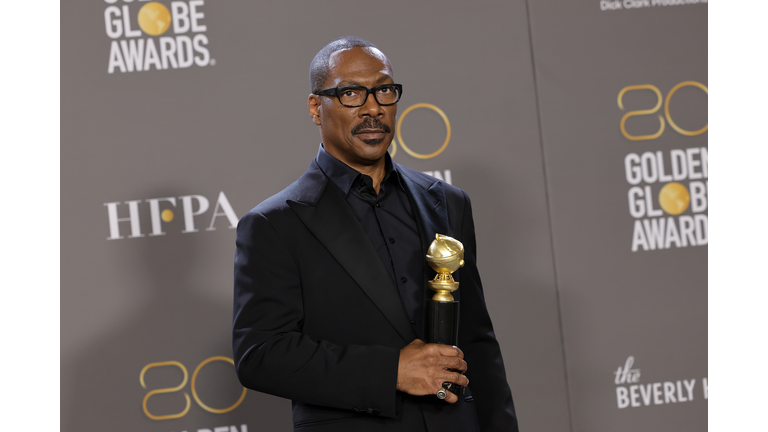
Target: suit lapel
[[429, 199], [332, 222]]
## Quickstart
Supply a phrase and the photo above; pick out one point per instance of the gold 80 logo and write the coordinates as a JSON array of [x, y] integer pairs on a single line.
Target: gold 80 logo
[[656, 108], [399, 135], [195, 395]]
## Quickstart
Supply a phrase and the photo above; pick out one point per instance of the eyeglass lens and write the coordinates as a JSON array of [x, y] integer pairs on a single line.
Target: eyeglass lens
[[356, 96]]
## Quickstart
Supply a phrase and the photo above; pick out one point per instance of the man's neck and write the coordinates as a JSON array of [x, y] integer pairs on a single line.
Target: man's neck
[[375, 171]]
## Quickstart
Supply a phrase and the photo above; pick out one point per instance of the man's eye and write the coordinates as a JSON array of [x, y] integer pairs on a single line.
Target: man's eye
[[349, 93], [385, 90]]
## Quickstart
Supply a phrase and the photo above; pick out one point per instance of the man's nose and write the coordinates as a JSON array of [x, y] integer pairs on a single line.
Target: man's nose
[[371, 107]]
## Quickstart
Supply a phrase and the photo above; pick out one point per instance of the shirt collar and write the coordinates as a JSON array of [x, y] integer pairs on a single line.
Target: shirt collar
[[344, 176]]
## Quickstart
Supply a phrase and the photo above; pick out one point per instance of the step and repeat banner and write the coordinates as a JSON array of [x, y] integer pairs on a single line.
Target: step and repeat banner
[[622, 91], [579, 130]]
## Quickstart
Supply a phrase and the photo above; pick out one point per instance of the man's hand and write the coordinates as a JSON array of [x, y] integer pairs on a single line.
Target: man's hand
[[423, 368]]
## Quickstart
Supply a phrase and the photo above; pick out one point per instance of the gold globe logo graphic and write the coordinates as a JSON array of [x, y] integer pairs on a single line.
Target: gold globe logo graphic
[[400, 136], [166, 215], [154, 18], [674, 198]]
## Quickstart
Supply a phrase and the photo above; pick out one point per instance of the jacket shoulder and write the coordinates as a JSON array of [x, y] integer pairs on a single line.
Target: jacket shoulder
[[427, 181], [306, 189], [277, 202]]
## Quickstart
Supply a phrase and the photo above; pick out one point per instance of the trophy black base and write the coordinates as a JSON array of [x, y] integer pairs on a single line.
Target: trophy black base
[[443, 322], [443, 328]]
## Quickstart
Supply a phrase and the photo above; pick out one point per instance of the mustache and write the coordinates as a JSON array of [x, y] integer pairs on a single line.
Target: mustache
[[371, 123]]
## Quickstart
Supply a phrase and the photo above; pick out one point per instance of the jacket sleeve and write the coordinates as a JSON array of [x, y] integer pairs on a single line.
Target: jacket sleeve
[[271, 353], [486, 373]]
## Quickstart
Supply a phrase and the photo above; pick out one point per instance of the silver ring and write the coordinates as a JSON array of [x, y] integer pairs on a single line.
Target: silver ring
[[442, 394]]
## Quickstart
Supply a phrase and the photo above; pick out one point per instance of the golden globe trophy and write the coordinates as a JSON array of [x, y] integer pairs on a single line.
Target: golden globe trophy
[[445, 255]]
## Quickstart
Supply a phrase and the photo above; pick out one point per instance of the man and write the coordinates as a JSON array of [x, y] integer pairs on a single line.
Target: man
[[331, 276]]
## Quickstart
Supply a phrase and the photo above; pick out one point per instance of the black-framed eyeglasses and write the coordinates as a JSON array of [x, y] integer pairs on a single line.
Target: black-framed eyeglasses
[[355, 96]]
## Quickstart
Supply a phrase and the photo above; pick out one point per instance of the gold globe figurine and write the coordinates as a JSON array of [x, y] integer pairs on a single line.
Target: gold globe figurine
[[445, 255]]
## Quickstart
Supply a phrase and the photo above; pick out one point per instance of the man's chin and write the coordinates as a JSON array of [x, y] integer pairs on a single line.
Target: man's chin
[[373, 142]]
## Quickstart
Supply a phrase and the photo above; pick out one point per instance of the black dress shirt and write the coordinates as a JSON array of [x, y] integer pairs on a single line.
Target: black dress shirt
[[390, 223]]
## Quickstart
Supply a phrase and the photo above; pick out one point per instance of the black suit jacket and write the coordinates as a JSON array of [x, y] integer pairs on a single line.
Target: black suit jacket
[[317, 318]]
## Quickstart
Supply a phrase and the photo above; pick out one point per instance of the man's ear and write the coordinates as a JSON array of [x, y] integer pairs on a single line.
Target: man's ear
[[313, 103]]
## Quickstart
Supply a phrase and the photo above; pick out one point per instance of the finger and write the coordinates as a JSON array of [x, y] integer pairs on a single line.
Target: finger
[[451, 398], [463, 381], [450, 351], [454, 363], [456, 378]]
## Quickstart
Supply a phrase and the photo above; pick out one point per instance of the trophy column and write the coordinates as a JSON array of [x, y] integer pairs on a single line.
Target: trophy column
[[445, 256]]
